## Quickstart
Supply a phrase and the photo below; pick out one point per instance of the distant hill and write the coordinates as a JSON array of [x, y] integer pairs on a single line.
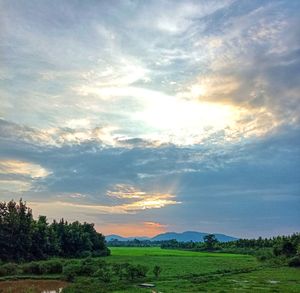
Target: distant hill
[[181, 237], [120, 238], [190, 236]]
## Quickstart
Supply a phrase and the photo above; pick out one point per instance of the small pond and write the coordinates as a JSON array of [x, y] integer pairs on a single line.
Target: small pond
[[32, 286]]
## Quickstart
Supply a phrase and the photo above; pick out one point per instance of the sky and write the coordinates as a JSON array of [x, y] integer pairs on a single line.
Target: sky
[[152, 116]]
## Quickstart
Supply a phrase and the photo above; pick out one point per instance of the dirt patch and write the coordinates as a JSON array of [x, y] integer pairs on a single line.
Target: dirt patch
[[32, 286]]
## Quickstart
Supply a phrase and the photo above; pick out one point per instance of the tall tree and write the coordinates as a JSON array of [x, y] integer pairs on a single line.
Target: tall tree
[[210, 241]]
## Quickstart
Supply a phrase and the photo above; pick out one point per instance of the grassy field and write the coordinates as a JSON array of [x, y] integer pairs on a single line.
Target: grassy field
[[185, 271], [182, 271]]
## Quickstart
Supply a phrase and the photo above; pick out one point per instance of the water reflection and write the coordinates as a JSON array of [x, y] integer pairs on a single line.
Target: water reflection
[[52, 291]]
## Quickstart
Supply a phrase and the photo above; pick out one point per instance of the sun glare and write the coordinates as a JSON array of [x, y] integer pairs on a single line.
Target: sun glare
[[182, 118], [197, 91]]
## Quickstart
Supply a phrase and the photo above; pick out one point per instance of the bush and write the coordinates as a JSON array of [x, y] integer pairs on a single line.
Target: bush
[[104, 274], [70, 271], [9, 269], [263, 255], [121, 270], [294, 261], [87, 270], [32, 268], [51, 267], [135, 272], [2, 272]]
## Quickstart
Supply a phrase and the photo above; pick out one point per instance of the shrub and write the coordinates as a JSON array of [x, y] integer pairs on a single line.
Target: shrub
[[32, 268], [9, 269], [121, 270], [104, 274], [294, 261], [135, 272], [87, 270], [51, 267], [264, 255], [70, 271], [87, 260], [3, 271]]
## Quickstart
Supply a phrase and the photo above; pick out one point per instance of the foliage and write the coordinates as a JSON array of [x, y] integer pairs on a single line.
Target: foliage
[[32, 268], [156, 271], [103, 271], [276, 250], [264, 254], [104, 274], [8, 269], [294, 261], [133, 272], [71, 271], [210, 241], [23, 238], [52, 267]]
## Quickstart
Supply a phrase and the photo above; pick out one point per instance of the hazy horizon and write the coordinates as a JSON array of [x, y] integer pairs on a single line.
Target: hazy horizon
[[151, 116]]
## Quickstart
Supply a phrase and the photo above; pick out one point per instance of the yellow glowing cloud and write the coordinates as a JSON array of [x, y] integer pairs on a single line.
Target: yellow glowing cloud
[[22, 168], [139, 201], [125, 191], [213, 88], [142, 200], [152, 202]]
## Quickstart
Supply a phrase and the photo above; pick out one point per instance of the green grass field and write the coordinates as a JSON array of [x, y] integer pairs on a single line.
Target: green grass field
[[182, 271], [185, 271]]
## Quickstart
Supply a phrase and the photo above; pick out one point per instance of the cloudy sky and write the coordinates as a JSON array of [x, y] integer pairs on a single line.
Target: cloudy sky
[[153, 116]]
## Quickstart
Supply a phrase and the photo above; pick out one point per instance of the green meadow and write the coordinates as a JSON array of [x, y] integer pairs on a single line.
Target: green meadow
[[181, 271], [186, 271]]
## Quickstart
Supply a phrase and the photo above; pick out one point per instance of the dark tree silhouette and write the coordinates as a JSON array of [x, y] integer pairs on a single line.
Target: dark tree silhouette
[[23, 238]]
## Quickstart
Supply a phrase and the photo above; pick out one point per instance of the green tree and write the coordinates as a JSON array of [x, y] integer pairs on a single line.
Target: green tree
[[15, 231], [23, 238], [210, 241]]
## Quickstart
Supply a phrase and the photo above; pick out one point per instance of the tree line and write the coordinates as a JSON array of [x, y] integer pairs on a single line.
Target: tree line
[[23, 238], [285, 249], [288, 244]]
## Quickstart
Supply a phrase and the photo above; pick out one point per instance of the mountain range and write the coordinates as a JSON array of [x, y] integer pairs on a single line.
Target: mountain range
[[181, 237]]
